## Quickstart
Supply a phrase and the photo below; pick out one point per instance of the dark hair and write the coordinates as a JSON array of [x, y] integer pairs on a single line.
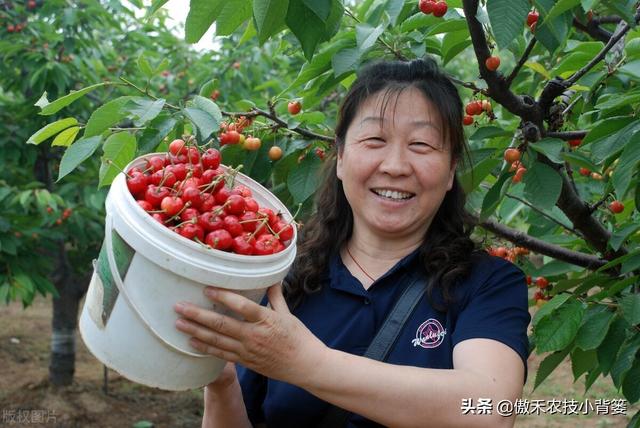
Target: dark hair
[[447, 248]]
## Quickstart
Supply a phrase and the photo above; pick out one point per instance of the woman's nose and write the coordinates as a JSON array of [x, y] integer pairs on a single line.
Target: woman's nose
[[396, 160]]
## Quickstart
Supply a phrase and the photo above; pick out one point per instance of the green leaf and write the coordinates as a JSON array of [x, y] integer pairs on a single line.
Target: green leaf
[[205, 116], [507, 19], [494, 196], [618, 99], [305, 25], [62, 102], [269, 17], [202, 14], [623, 8], [628, 162], [594, 328], [630, 306], [610, 145], [320, 63], [153, 135], [77, 153], [51, 129], [542, 185], [453, 43], [155, 6], [208, 87], [624, 359], [471, 178], [579, 159], [321, 8], [561, 7], [345, 61], [631, 383], [551, 306], [549, 364], [144, 66], [120, 149], [550, 147], [106, 116], [609, 347], [303, 181], [489, 132], [233, 13], [66, 137], [558, 330], [366, 36], [552, 33], [619, 236], [144, 109], [538, 68], [582, 361]]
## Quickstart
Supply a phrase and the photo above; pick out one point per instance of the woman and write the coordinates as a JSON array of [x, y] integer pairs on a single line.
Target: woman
[[390, 207]]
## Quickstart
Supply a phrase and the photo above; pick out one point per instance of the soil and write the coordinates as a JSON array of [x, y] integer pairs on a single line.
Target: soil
[[27, 399]]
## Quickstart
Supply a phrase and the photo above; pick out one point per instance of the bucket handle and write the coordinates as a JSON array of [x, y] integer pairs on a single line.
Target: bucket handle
[[120, 284]]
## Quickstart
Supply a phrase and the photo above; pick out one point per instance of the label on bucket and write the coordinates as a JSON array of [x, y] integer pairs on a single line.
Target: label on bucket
[[123, 254]]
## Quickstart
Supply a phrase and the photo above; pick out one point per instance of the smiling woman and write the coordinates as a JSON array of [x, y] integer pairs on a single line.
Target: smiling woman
[[390, 219]]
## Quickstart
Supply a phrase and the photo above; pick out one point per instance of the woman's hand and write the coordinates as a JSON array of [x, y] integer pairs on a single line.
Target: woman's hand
[[270, 341]]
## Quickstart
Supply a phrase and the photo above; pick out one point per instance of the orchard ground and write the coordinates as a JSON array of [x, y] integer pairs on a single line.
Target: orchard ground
[[24, 352]]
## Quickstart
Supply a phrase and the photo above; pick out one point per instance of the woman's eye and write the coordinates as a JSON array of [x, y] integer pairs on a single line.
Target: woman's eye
[[422, 145]]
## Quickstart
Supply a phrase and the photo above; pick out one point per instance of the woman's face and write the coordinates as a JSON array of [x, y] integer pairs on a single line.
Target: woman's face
[[395, 166]]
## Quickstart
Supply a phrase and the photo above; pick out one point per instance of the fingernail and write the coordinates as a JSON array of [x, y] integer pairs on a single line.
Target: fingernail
[[179, 307], [180, 323], [210, 291]]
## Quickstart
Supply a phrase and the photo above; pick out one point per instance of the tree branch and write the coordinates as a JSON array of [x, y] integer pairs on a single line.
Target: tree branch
[[523, 59], [280, 123], [567, 135], [523, 240], [497, 85], [593, 29]]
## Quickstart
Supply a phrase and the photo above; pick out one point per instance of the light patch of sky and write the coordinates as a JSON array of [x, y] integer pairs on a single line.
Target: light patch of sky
[[177, 11]]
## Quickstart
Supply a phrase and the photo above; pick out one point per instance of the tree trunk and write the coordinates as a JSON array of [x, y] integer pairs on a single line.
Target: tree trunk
[[64, 322]]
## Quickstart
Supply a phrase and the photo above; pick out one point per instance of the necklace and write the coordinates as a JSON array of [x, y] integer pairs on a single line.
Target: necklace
[[358, 264]]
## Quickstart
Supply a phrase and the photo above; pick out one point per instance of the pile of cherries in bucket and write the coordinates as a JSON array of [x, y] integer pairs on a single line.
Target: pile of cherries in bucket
[[191, 194]]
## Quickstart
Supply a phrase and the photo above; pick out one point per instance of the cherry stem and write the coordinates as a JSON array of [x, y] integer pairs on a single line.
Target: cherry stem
[[187, 205], [110, 162]]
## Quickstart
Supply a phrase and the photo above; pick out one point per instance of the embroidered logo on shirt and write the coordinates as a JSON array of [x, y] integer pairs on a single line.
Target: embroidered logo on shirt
[[430, 334]]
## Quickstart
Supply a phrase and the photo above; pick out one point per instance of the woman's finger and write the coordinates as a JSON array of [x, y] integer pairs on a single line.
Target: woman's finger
[[249, 310], [208, 336], [216, 352], [208, 318], [276, 298]]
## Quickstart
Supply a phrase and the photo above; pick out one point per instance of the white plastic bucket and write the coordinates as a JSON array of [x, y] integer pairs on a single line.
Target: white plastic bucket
[[128, 322]]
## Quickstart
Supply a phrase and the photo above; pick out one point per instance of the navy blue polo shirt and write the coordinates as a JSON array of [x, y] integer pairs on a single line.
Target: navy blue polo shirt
[[491, 303]]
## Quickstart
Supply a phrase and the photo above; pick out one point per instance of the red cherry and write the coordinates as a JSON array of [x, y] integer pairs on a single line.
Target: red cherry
[[179, 170], [512, 155], [219, 239], [474, 108], [616, 207], [542, 282], [467, 120], [222, 195], [294, 107], [575, 142], [189, 214], [426, 6], [233, 137], [268, 212], [439, 9], [210, 222], [159, 217], [211, 159], [178, 147], [234, 205], [232, 224], [155, 163], [191, 231], [145, 205], [243, 244], [284, 230], [538, 295], [265, 244], [154, 195], [528, 279], [532, 18], [171, 205], [492, 63], [137, 183], [193, 155], [249, 221], [242, 190], [250, 204], [208, 202], [193, 195], [584, 171]]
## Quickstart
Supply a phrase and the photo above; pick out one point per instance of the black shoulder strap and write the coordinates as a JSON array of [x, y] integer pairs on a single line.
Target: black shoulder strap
[[383, 341]]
